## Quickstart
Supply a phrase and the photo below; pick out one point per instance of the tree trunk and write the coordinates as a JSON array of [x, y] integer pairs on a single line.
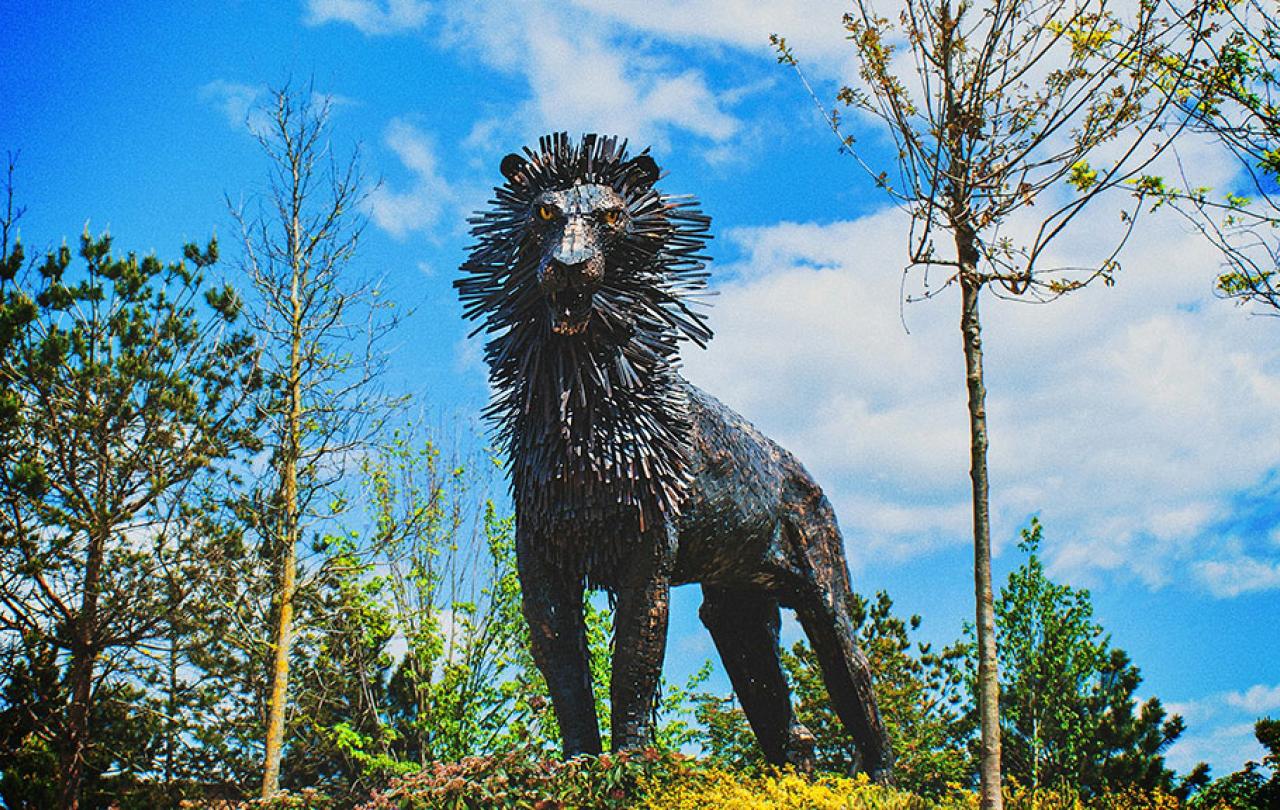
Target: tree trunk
[[80, 673], [291, 449], [988, 672], [171, 707], [284, 620], [280, 672]]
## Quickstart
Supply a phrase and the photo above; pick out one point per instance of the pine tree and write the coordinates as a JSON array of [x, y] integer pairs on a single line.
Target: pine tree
[[128, 382]]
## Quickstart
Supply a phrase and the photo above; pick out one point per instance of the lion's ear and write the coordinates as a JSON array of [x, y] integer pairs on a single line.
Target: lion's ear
[[643, 171], [513, 165]]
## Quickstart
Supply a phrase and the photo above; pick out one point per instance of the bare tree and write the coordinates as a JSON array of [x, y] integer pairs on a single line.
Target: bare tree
[[318, 324], [994, 108]]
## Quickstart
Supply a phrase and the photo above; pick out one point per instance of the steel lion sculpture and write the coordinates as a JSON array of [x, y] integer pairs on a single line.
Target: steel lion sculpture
[[584, 278]]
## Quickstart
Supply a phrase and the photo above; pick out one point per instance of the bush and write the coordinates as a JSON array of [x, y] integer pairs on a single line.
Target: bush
[[1063, 798], [770, 789], [524, 780], [652, 780]]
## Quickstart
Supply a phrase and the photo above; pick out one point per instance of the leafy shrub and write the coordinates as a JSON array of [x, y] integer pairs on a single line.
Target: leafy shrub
[[523, 780], [653, 780], [1128, 798], [306, 799]]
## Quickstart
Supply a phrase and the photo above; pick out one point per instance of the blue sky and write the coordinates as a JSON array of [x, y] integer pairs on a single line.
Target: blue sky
[[1141, 422]]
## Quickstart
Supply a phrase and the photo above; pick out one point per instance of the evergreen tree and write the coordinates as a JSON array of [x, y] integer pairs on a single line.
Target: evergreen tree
[[126, 380], [206, 678], [920, 694], [1248, 788]]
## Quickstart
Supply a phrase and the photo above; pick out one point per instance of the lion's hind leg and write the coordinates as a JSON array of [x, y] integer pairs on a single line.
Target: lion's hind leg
[[744, 625], [823, 601]]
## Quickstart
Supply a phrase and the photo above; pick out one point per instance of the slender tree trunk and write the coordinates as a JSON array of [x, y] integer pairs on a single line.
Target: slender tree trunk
[[171, 707], [988, 672], [288, 587], [80, 673], [280, 671], [290, 452]]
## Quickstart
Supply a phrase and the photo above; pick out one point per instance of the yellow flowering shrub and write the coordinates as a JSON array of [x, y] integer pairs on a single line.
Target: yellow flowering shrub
[[703, 787], [706, 788], [1134, 799]]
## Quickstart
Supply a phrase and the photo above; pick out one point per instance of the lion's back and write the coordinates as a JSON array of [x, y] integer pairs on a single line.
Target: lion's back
[[734, 506]]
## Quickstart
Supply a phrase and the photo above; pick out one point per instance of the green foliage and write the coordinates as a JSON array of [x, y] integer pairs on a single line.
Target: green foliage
[[1051, 652], [724, 735], [456, 604], [676, 723], [32, 694], [123, 392], [1082, 177], [1067, 698], [1070, 720], [652, 780], [217, 694], [412, 645], [522, 779], [1248, 788], [920, 694], [1228, 90]]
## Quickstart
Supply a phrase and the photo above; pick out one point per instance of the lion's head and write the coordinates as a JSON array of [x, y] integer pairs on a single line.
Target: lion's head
[[576, 228], [582, 273], [578, 234]]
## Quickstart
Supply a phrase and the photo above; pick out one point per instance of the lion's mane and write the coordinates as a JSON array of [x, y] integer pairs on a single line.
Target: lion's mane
[[595, 425]]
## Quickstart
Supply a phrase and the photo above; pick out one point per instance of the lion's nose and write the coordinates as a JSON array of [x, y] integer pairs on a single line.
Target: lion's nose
[[574, 259], [559, 275]]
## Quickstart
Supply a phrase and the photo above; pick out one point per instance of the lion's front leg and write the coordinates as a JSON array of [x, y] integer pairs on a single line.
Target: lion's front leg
[[553, 607], [640, 636]]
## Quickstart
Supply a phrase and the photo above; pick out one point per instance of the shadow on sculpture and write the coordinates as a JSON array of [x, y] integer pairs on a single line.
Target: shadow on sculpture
[[626, 477]]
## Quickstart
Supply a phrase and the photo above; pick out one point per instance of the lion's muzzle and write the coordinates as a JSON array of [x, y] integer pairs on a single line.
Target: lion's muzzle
[[570, 273]]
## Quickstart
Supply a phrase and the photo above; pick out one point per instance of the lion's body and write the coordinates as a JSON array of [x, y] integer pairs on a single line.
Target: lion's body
[[744, 504], [627, 477]]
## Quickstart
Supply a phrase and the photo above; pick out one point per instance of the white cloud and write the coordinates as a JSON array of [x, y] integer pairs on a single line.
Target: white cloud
[[421, 206], [813, 27], [585, 74], [369, 16], [1226, 748], [237, 102], [1220, 729], [1238, 574], [1257, 699], [595, 67], [1128, 417]]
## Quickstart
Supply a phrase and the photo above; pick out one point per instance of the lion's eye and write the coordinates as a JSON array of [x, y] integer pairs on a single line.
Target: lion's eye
[[612, 218], [546, 213]]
